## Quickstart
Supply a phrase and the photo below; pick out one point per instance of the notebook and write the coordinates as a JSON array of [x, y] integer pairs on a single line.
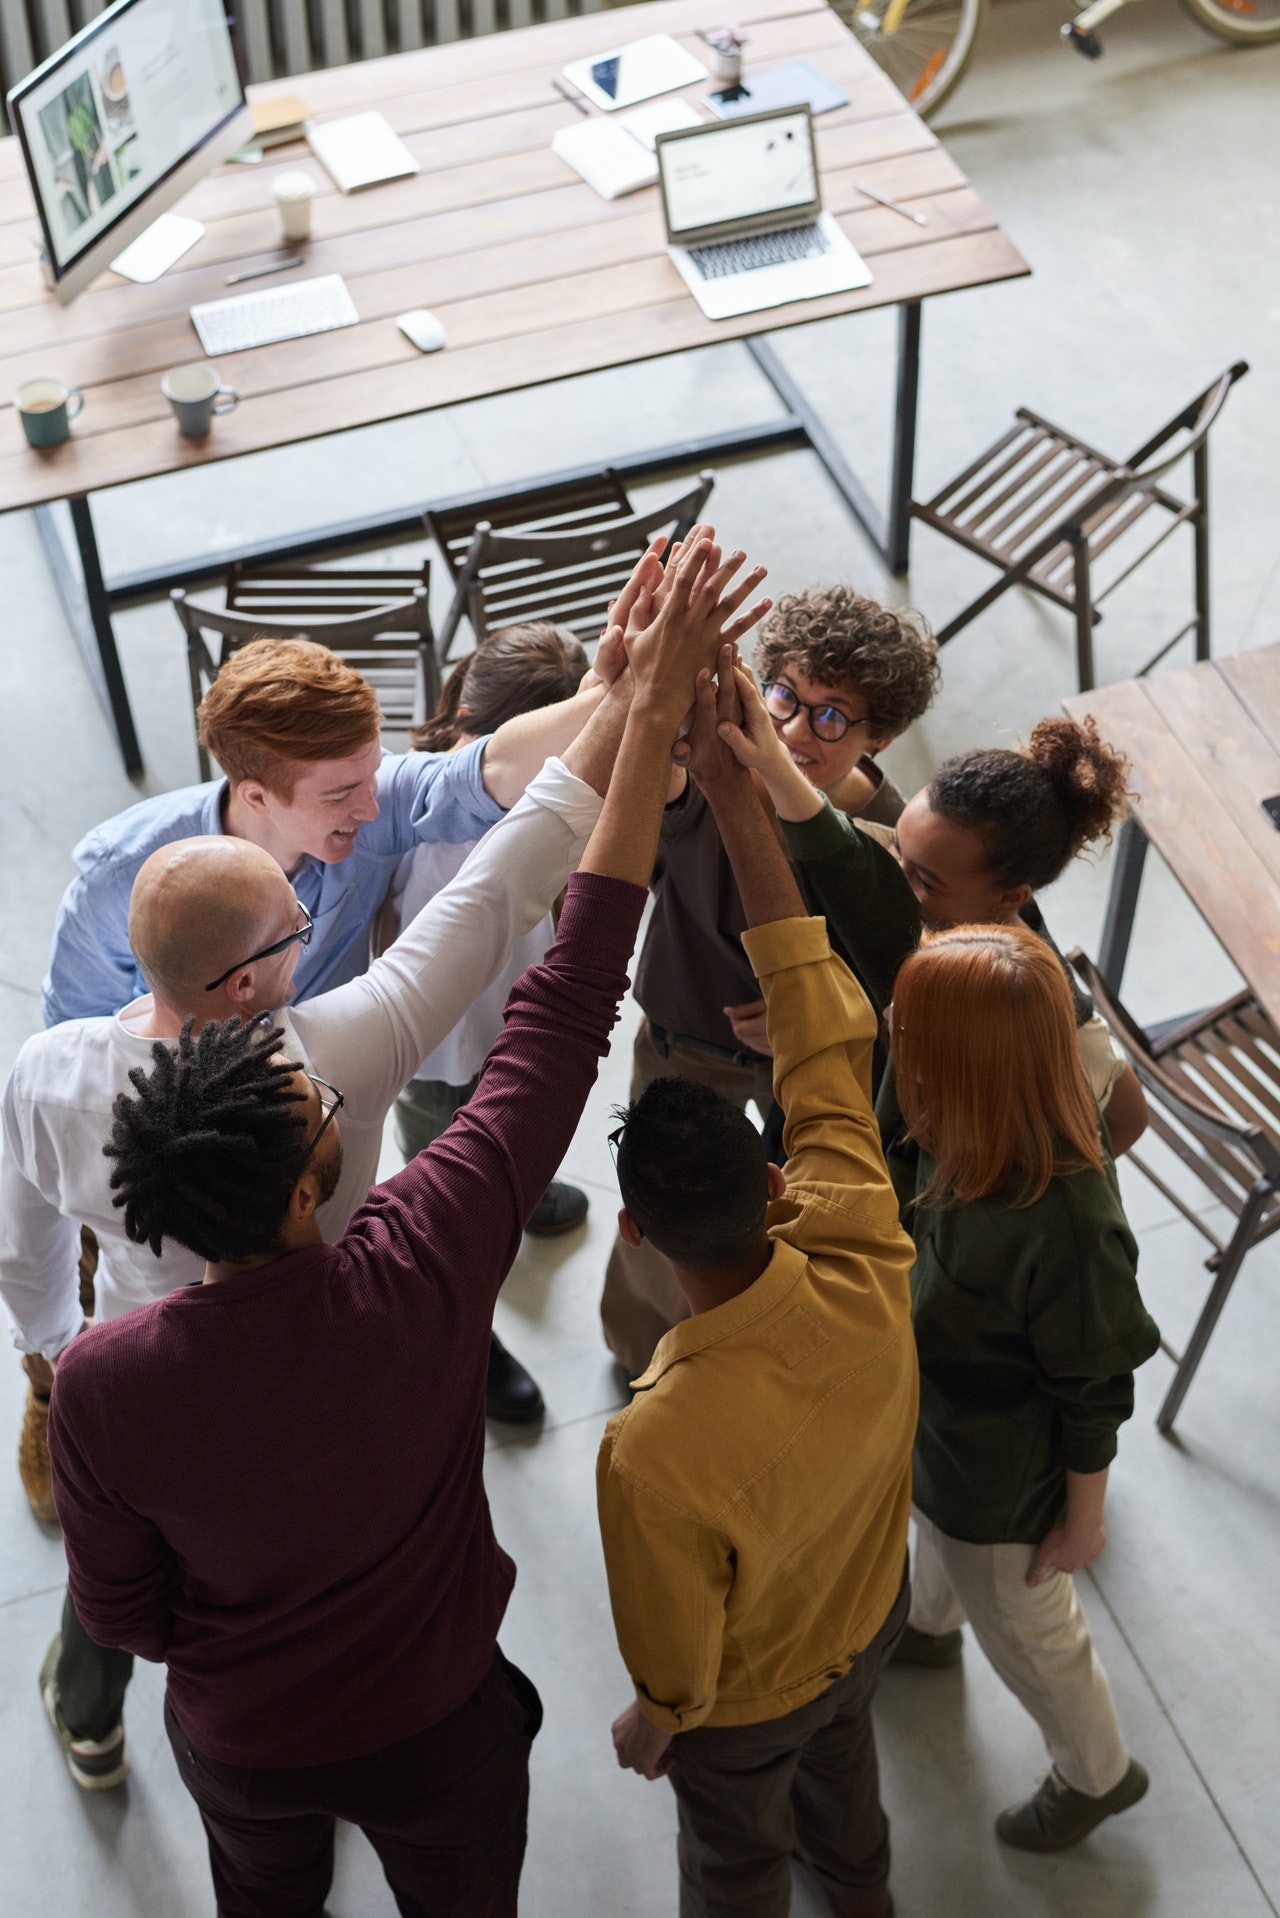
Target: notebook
[[796, 85], [617, 156], [636, 72], [360, 151]]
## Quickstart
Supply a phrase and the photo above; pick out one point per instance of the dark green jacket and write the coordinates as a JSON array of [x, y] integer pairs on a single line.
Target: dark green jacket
[[1029, 1322]]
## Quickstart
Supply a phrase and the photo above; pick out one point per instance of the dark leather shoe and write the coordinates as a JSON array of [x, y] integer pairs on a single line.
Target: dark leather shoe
[[511, 1395], [560, 1208]]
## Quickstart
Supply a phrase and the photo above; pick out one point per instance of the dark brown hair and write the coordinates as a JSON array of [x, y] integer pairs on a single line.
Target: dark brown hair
[[1036, 808], [988, 1069], [840, 638], [514, 670], [280, 704]]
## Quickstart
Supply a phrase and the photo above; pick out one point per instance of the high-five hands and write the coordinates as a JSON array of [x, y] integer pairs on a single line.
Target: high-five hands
[[692, 616], [754, 742]]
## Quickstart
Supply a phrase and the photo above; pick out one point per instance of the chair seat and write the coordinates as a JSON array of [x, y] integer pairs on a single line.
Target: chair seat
[[1230, 1060], [1035, 476]]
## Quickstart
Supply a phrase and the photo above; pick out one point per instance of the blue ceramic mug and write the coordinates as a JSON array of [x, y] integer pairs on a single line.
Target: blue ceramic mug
[[46, 409]]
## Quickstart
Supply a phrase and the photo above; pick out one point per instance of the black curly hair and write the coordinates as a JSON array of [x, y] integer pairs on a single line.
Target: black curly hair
[[692, 1172], [1037, 808], [841, 638], [210, 1149]]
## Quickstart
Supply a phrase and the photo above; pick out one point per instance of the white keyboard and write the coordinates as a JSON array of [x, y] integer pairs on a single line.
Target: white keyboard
[[281, 313]]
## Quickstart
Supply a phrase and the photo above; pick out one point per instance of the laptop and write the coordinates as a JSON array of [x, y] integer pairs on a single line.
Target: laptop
[[743, 208]]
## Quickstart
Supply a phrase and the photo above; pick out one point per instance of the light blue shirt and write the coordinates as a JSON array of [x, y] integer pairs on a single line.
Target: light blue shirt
[[421, 797]]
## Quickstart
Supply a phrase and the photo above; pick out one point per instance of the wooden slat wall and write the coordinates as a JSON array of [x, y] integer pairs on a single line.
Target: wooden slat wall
[[277, 38]]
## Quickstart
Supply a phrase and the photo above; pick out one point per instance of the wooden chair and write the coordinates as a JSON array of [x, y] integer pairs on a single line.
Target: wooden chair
[[1213, 1082], [1044, 506], [560, 553], [376, 619]]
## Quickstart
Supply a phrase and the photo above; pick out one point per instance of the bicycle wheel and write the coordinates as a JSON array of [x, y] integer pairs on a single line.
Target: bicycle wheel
[[1246, 23], [923, 45]]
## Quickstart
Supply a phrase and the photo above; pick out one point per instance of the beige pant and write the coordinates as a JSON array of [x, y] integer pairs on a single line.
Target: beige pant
[[1037, 1641], [642, 1299]]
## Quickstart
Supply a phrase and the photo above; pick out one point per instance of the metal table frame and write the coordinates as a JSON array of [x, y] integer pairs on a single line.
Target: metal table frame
[[89, 598], [1122, 902]]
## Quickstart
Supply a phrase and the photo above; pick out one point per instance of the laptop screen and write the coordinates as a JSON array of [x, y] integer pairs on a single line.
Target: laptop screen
[[739, 171]]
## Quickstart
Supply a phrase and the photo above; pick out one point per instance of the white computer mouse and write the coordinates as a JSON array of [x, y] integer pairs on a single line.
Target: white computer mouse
[[423, 328]]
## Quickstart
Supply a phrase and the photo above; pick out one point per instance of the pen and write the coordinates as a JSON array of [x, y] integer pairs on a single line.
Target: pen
[[574, 99], [260, 272], [893, 205]]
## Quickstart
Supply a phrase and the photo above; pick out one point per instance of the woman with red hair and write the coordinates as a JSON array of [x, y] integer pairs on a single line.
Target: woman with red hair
[[1027, 1314]]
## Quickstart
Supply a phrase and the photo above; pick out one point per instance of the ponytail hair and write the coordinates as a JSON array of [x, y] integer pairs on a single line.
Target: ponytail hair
[[987, 1065], [514, 670], [1035, 809]]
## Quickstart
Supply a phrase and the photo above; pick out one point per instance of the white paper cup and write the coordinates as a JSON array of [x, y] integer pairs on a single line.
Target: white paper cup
[[293, 194]]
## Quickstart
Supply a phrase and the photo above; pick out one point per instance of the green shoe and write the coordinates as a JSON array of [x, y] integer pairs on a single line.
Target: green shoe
[[94, 1764], [935, 1650], [1058, 1817]]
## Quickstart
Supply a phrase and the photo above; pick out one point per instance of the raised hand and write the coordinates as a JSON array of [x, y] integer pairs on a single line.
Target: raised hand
[[702, 750], [698, 612], [631, 610]]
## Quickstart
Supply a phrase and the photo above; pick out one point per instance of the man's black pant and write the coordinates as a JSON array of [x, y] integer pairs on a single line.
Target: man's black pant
[[445, 1811]]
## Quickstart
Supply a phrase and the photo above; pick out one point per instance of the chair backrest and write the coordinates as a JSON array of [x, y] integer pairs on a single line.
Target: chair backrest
[[378, 622], [1207, 1122], [561, 504], [569, 576]]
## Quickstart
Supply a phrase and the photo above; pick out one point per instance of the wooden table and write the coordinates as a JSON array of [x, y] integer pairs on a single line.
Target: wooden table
[[1204, 744], [534, 276]]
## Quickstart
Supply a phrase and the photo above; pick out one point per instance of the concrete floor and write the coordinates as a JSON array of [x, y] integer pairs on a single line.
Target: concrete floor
[[1144, 192]]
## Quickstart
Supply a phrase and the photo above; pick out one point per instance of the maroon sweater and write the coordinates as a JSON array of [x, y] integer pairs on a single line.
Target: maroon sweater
[[275, 1484]]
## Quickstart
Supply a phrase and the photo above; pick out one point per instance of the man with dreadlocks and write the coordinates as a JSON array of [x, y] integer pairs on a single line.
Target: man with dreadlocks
[[331, 1652]]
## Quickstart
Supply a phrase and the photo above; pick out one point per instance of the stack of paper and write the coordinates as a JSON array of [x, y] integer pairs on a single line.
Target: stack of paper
[[360, 151], [617, 156]]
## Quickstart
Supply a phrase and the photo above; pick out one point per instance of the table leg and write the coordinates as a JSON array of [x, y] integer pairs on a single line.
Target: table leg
[[902, 476], [1122, 903], [88, 610]]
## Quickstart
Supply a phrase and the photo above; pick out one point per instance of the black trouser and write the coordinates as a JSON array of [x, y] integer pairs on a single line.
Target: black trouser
[[91, 1680], [445, 1811], [752, 1795]]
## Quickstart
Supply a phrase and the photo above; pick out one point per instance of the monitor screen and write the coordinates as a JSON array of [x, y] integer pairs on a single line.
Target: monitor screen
[[734, 172], [118, 109]]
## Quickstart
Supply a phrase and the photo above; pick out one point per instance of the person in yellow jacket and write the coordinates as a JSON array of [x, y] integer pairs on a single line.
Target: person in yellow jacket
[[754, 1496]]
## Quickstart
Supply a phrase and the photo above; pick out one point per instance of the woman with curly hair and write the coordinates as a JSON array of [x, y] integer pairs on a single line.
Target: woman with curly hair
[[843, 677], [1027, 1315]]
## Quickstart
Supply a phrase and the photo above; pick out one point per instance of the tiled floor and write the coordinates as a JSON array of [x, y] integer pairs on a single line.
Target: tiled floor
[[1144, 193]]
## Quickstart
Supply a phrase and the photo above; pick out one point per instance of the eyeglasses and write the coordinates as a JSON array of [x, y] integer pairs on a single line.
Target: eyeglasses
[[329, 1111], [301, 933], [782, 703]]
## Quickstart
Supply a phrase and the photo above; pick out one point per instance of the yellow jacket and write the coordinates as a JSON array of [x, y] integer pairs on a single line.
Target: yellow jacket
[[753, 1498]]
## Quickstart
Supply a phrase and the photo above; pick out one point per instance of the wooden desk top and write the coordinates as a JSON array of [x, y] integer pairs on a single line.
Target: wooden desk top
[[534, 275], [1205, 747]]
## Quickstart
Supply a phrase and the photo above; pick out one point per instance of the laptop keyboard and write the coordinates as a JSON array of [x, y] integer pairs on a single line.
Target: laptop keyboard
[[760, 249]]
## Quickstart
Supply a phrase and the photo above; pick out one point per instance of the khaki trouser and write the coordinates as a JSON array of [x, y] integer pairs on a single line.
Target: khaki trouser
[[1037, 1641], [642, 1299], [752, 1795]]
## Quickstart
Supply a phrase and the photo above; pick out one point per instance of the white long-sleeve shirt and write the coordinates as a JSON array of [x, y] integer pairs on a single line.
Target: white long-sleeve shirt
[[458, 1058], [366, 1037]]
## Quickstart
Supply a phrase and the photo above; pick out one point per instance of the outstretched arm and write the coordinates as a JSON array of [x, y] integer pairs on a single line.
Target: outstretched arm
[[468, 1197]]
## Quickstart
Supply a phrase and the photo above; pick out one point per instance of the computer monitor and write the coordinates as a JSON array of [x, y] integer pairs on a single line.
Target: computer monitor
[[122, 121]]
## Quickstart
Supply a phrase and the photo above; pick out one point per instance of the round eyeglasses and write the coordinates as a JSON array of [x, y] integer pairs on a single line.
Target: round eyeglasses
[[329, 1110], [829, 723]]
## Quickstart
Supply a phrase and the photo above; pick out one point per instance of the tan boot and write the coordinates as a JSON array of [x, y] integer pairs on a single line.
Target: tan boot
[[33, 1458]]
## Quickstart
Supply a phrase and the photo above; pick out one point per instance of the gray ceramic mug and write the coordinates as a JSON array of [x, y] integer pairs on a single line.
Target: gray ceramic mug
[[46, 409], [195, 395]]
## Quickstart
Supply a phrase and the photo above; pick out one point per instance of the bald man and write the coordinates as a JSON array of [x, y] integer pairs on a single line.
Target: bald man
[[216, 927]]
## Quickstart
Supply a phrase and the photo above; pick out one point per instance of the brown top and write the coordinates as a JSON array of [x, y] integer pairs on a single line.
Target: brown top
[[1203, 744], [533, 275], [693, 965]]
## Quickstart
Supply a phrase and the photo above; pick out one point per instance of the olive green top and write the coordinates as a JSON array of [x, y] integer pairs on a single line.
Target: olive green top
[[1028, 1321]]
